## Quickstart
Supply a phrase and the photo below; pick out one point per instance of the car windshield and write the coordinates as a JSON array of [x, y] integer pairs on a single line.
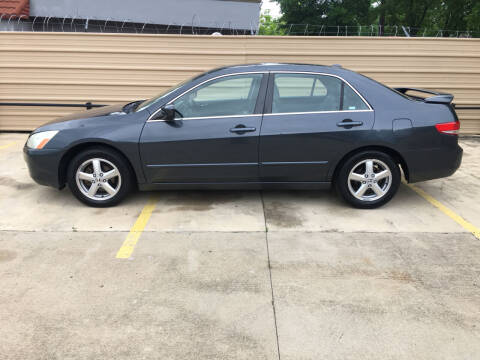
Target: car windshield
[[147, 103]]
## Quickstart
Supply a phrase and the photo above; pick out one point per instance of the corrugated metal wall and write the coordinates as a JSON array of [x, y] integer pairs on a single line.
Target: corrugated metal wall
[[111, 68]]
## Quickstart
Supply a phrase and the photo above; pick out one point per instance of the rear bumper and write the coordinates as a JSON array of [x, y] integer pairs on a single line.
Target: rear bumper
[[434, 163], [43, 166]]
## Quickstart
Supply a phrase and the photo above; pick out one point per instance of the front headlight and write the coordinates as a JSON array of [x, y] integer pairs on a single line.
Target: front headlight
[[39, 140]]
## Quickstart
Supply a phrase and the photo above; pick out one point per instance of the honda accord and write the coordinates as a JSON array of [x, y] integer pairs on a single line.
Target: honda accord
[[257, 126]]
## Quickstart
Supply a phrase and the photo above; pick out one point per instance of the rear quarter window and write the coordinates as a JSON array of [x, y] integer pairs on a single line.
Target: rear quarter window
[[351, 100]]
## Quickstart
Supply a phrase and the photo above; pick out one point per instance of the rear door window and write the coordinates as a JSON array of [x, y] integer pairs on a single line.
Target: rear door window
[[293, 93], [305, 93]]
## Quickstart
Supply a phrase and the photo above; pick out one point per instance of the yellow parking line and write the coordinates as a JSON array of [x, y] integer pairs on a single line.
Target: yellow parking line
[[447, 211], [7, 145], [136, 231]]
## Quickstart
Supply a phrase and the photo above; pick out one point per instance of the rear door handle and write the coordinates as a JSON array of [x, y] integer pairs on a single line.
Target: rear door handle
[[242, 129], [348, 123]]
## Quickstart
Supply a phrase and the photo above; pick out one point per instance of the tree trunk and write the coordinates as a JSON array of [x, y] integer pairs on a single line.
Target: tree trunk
[[381, 20]]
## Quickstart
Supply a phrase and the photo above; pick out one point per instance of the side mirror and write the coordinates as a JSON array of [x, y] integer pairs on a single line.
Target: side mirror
[[166, 113], [169, 111]]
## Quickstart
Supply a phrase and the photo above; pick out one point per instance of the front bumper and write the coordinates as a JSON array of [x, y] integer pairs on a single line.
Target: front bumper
[[44, 165]]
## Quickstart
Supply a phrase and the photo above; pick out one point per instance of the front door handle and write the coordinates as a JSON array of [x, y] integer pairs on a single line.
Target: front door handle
[[349, 123], [242, 129]]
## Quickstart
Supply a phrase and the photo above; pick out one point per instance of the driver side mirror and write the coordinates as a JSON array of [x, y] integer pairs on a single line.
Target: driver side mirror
[[169, 112]]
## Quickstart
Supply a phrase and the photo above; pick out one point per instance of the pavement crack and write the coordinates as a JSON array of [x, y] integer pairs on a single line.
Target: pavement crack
[[270, 275]]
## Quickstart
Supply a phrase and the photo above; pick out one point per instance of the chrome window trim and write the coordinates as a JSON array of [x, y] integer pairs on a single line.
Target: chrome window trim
[[325, 74], [204, 82], [271, 114], [268, 114], [318, 112], [209, 117]]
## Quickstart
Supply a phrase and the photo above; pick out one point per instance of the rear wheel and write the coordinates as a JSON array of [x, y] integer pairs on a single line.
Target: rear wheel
[[99, 177], [368, 179]]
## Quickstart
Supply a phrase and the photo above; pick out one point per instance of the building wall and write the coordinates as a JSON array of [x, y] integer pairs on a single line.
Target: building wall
[[202, 13], [113, 68]]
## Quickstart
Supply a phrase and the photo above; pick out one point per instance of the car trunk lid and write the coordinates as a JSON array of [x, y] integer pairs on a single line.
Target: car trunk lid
[[433, 97]]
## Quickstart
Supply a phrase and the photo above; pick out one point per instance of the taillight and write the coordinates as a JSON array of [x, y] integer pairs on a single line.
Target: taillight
[[449, 128]]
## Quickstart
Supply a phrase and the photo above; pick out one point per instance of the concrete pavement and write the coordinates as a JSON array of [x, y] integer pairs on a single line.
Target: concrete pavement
[[239, 275]]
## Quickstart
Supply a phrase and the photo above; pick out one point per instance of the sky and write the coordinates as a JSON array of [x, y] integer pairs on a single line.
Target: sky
[[272, 6]]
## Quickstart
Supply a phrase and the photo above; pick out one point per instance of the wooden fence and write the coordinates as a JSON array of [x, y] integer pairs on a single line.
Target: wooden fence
[[74, 68]]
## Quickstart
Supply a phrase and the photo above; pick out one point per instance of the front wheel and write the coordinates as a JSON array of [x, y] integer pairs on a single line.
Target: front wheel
[[368, 179], [99, 177]]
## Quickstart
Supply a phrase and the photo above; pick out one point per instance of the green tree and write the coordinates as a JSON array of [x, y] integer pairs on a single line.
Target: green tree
[[326, 12], [413, 14], [316, 13], [429, 17], [270, 25], [452, 16], [348, 13], [302, 11], [473, 18]]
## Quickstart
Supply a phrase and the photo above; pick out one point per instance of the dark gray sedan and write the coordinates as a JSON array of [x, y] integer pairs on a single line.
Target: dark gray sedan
[[283, 126]]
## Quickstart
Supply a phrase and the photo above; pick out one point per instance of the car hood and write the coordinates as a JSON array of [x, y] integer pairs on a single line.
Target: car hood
[[86, 114]]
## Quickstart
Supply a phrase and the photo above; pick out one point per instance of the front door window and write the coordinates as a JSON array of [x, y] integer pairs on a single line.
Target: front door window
[[226, 96]]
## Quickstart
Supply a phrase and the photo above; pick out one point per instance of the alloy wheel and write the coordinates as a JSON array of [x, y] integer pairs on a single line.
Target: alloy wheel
[[98, 179], [370, 180]]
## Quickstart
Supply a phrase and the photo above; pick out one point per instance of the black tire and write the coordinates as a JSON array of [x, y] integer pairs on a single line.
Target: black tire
[[369, 200], [122, 184]]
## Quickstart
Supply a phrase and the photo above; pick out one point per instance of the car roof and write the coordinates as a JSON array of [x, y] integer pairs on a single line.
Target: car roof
[[275, 66]]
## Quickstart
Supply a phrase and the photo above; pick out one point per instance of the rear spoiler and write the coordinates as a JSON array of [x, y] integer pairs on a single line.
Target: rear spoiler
[[437, 98]]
